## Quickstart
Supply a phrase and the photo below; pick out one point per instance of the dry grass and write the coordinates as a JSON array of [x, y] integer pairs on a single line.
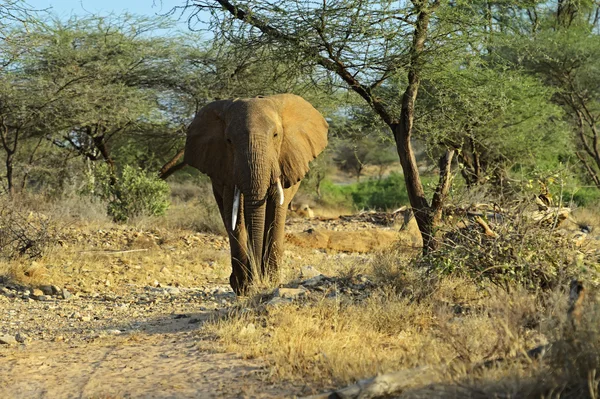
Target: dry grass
[[409, 321]]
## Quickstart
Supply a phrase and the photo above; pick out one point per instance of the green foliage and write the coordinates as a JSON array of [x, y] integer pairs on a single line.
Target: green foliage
[[582, 196], [135, 192], [384, 194]]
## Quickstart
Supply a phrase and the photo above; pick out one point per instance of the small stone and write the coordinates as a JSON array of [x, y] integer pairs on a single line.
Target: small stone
[[75, 315], [21, 338], [46, 289], [172, 290], [291, 293], [113, 332], [85, 318], [8, 340], [165, 270], [26, 293], [56, 290], [107, 283], [66, 294], [44, 298], [37, 292]]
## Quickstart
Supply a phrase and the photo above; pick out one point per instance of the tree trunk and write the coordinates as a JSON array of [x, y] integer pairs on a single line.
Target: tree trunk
[[9, 173], [439, 197], [403, 130]]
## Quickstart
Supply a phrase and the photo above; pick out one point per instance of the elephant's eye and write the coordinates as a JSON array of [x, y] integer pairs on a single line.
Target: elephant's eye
[[275, 134]]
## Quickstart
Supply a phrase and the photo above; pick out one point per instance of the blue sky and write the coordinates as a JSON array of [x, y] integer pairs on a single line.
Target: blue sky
[[66, 8]]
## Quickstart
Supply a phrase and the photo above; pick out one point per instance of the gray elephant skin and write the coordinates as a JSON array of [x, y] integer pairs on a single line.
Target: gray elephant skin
[[255, 152]]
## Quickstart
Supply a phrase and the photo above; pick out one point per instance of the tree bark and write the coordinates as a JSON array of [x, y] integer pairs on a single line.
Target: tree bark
[[172, 166], [439, 197], [10, 149], [403, 130]]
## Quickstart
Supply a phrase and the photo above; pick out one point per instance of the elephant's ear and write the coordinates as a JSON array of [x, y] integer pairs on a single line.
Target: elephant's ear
[[304, 136], [205, 146]]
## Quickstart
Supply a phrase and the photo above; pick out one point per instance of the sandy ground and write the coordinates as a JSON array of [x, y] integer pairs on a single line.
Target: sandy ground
[[168, 360]]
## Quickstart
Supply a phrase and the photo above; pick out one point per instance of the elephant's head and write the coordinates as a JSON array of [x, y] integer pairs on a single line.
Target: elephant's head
[[257, 146]]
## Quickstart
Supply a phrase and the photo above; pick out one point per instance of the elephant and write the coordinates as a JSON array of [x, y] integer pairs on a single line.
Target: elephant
[[255, 151]]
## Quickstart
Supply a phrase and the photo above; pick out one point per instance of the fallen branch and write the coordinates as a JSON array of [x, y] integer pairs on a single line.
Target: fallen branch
[[384, 384], [488, 231], [113, 252]]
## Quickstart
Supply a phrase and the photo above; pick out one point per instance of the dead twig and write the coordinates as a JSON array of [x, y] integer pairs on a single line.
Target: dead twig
[[113, 252]]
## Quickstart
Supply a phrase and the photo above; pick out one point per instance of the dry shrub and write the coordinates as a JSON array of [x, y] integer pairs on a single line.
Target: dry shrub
[[524, 252], [22, 234]]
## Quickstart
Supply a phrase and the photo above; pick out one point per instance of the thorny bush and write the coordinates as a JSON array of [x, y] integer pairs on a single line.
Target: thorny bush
[[23, 235], [523, 251]]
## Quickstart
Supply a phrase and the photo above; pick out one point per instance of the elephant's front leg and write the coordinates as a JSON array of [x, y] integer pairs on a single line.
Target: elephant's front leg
[[238, 239], [275, 230]]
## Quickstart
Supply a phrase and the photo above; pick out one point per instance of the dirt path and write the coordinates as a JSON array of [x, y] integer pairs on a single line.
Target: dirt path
[[166, 357]]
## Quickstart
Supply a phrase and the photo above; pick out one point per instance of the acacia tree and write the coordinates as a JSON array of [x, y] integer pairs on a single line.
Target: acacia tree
[[361, 44], [495, 119], [558, 43]]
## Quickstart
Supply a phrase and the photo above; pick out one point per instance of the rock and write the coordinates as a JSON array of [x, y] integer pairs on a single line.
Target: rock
[[172, 290], [43, 298], [37, 293], [56, 290], [278, 301], [315, 281], [291, 293], [85, 318], [47, 289], [165, 271], [308, 272], [113, 332], [21, 338], [8, 340], [66, 294]]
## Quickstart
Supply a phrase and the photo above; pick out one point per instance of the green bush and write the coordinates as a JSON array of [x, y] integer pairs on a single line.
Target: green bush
[[584, 196], [134, 192], [383, 194]]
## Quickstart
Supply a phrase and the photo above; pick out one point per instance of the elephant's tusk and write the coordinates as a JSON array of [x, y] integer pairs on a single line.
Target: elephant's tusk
[[236, 207], [280, 191]]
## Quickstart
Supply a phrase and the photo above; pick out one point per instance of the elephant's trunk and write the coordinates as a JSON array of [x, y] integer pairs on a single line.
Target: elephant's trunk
[[255, 213]]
